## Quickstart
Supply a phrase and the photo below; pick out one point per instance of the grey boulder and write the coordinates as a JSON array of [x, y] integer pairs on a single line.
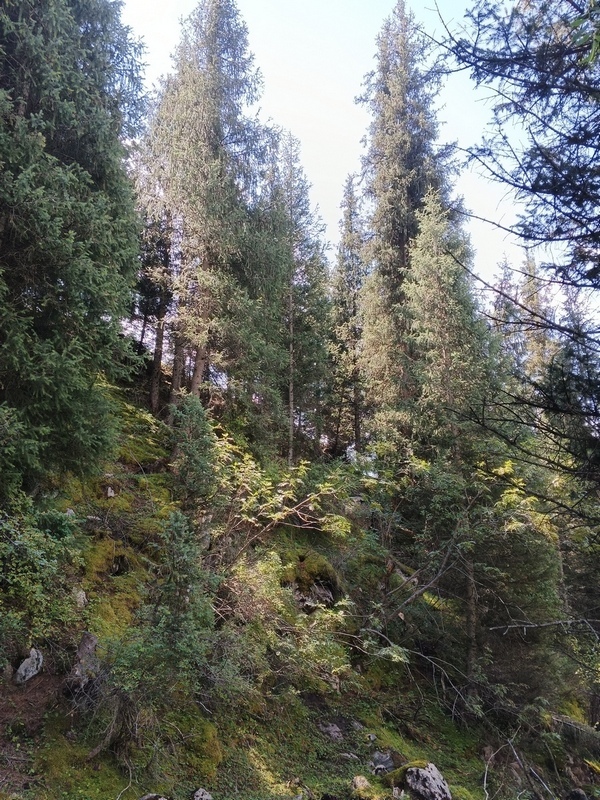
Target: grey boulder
[[30, 667], [427, 783]]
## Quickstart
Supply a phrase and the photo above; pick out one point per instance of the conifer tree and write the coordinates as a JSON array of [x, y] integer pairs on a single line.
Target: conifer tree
[[448, 341], [306, 312], [205, 145], [69, 80], [347, 391], [400, 166]]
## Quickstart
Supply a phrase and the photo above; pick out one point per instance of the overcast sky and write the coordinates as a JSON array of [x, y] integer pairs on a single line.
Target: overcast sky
[[313, 56]]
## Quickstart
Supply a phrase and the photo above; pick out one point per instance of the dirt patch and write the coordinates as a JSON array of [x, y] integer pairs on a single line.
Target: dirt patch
[[22, 710]]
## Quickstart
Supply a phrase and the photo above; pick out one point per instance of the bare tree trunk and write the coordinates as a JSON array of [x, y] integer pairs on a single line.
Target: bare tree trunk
[[178, 367], [177, 378], [200, 363], [357, 407], [157, 361], [291, 386], [140, 347], [472, 626]]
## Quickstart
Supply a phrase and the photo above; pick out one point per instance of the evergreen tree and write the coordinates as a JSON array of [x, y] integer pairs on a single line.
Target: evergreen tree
[[401, 165], [448, 342], [540, 60], [205, 147], [347, 391], [69, 80], [306, 313]]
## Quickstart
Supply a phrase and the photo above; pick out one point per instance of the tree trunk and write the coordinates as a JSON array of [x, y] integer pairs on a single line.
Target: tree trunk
[[177, 379], [357, 406], [200, 363], [178, 367], [157, 361], [140, 347], [472, 619], [291, 378]]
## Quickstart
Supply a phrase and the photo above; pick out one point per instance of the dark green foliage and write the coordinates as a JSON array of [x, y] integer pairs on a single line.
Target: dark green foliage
[[402, 164], [346, 386], [176, 621], [68, 82], [536, 63], [36, 558], [194, 459]]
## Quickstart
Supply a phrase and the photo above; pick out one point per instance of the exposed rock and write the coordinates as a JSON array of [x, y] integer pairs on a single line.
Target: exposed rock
[[30, 667], [201, 794], [80, 598], [358, 726], [82, 680], [154, 797], [349, 756], [427, 783], [371, 737], [381, 763], [360, 785], [331, 729]]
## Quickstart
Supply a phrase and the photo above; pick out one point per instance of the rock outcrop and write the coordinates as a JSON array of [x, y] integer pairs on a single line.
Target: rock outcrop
[[427, 783], [30, 667]]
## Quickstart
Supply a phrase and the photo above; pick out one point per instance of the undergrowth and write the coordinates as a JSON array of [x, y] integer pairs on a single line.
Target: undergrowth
[[240, 610]]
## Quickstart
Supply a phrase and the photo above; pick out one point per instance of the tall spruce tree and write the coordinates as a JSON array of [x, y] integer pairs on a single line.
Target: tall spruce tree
[[69, 82], [400, 166], [347, 385], [448, 342], [306, 312], [205, 145]]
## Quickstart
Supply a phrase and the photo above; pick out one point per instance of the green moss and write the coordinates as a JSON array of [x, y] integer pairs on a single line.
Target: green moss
[[66, 772], [113, 580], [195, 741], [110, 617], [460, 793], [397, 777], [105, 557], [145, 439], [304, 568]]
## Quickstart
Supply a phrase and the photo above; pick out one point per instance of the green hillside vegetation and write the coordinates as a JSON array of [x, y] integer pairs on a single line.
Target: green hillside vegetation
[[271, 527]]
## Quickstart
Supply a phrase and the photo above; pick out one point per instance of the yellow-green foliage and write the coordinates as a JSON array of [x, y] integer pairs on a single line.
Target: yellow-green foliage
[[571, 707], [460, 793], [145, 439]]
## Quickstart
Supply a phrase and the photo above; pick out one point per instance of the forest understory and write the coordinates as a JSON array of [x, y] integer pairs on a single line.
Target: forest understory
[[273, 524]]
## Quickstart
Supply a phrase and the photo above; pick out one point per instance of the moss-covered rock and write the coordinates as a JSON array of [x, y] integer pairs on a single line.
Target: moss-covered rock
[[307, 568], [397, 777]]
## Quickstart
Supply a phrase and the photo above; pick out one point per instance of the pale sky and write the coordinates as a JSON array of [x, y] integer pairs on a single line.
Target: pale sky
[[313, 56]]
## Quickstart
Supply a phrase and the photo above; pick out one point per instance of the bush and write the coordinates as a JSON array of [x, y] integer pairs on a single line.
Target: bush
[[35, 598]]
